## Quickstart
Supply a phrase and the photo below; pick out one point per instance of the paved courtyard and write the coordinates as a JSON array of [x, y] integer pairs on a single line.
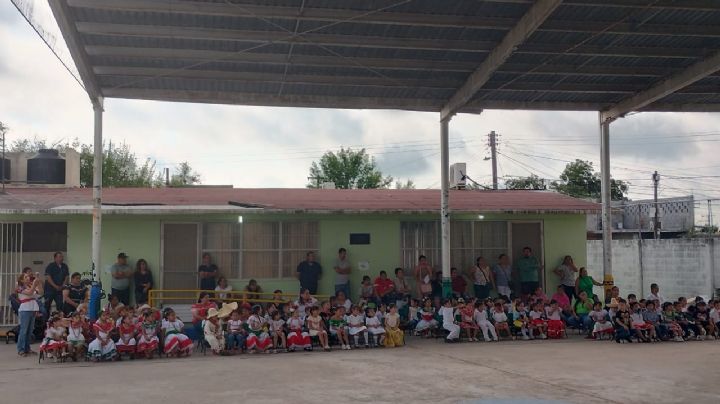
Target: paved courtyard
[[568, 371]]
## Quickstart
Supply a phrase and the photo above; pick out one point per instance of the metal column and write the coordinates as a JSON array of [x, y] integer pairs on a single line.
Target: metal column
[[606, 202], [97, 189], [444, 205]]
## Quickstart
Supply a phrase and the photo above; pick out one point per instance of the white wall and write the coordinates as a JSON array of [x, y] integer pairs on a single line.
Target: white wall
[[681, 267]]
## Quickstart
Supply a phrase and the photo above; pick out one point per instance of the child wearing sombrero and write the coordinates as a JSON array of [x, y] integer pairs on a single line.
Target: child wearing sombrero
[[213, 328]]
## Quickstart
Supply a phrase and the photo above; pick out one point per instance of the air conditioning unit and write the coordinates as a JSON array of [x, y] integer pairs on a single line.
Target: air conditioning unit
[[328, 185], [457, 176]]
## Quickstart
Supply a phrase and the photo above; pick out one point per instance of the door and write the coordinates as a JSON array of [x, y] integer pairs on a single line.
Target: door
[[528, 234], [180, 255], [10, 268]]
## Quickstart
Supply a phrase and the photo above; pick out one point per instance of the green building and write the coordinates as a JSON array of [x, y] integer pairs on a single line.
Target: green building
[[264, 233]]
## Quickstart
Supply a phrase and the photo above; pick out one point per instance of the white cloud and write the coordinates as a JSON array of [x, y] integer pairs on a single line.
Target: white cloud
[[273, 147]]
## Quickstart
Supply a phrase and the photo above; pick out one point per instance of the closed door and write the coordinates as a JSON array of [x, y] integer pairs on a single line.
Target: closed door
[[180, 255], [528, 234]]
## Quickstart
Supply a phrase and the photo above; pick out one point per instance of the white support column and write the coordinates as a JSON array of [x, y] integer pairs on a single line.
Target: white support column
[[606, 197], [97, 189], [444, 204]]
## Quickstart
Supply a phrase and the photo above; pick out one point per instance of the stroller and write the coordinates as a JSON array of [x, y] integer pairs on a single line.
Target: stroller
[[38, 331]]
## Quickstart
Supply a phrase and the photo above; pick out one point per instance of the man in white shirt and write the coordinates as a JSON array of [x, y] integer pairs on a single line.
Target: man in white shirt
[[655, 295]]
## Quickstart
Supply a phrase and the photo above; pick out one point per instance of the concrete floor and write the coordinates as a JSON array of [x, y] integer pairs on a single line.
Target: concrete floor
[[562, 371]]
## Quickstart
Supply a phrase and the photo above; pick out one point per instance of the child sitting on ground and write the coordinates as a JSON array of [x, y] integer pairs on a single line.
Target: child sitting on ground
[[521, 321], [54, 344], [467, 319], [375, 328], [176, 343], [501, 321], [447, 311], [75, 336], [316, 327], [602, 325], [356, 326], [427, 321], [394, 336], [652, 317], [126, 343], [102, 347], [297, 338], [147, 339], [213, 331], [338, 327], [277, 329], [555, 325], [640, 327], [481, 319], [258, 339], [537, 320], [668, 323], [235, 338]]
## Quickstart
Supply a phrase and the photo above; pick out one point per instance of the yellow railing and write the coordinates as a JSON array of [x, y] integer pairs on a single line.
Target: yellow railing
[[161, 295]]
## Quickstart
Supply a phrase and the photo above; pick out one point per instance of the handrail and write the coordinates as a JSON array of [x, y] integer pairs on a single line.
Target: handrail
[[192, 294]]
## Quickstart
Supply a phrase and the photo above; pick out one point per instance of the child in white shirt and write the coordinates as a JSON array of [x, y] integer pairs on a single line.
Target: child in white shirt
[[447, 311], [481, 319], [600, 317]]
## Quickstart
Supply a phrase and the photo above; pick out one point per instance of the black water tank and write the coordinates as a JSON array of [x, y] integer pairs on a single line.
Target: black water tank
[[6, 173], [46, 167]]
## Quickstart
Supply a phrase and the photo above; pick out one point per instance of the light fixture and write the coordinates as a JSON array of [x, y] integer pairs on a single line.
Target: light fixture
[[240, 219], [481, 217]]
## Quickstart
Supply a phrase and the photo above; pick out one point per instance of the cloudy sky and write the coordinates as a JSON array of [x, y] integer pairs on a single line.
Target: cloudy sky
[[273, 147]]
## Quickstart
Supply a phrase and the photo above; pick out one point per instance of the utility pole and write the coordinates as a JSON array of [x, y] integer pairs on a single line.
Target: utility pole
[[492, 139], [710, 216], [656, 182], [2, 175]]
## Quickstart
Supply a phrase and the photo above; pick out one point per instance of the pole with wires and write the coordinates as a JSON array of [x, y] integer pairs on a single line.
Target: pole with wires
[[656, 220], [492, 139]]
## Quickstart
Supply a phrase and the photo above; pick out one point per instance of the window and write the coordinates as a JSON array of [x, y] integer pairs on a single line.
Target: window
[[468, 240], [44, 236], [262, 250]]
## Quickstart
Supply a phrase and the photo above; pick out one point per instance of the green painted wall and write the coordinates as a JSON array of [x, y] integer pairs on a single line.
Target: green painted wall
[[139, 237]]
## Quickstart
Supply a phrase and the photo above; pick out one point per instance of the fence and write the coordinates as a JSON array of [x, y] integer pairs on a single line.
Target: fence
[[161, 297], [681, 267]]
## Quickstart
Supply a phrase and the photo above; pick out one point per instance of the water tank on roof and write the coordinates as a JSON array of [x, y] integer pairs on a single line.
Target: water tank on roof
[[5, 172], [46, 167]]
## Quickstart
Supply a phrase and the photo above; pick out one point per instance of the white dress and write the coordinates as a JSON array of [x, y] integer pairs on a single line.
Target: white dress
[[355, 324], [98, 351], [175, 340], [427, 320], [374, 325]]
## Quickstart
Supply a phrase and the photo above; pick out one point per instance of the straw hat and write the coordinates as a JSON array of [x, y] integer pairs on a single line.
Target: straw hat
[[227, 309], [613, 303], [212, 312], [143, 307]]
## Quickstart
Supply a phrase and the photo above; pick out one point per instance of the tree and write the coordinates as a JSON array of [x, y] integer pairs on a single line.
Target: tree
[[184, 175], [581, 181], [409, 184], [348, 169], [531, 182]]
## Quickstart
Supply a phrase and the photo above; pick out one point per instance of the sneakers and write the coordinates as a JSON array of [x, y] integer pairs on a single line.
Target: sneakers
[[679, 339], [488, 340], [525, 338], [543, 336]]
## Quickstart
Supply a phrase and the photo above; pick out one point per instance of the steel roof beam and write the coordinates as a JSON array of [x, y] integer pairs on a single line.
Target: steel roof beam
[[387, 17], [664, 88], [703, 5], [527, 24]]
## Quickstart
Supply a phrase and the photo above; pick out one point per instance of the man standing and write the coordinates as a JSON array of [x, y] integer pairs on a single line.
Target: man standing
[[208, 273], [655, 295], [342, 273], [308, 273], [56, 277], [459, 284], [529, 271], [121, 274]]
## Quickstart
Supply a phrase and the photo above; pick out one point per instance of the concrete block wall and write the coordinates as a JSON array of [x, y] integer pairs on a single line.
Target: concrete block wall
[[681, 267]]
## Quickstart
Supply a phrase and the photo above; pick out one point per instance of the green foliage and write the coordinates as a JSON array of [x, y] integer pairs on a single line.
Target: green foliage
[[409, 184], [184, 175], [581, 181], [531, 182], [348, 169]]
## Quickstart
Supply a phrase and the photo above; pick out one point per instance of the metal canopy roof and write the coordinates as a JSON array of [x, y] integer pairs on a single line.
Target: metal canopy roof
[[451, 56]]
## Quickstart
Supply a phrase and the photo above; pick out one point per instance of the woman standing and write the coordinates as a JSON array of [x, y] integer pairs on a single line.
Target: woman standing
[[584, 283], [483, 281], [143, 282], [28, 291], [423, 277], [566, 271]]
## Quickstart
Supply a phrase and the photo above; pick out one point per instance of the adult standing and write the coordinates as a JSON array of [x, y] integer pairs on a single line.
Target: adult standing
[[342, 272], [585, 283], [308, 273], [423, 277], [529, 271], [56, 277], [655, 295], [28, 290], [482, 277], [402, 289], [143, 281], [74, 294], [121, 274], [567, 273], [503, 275], [208, 273]]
